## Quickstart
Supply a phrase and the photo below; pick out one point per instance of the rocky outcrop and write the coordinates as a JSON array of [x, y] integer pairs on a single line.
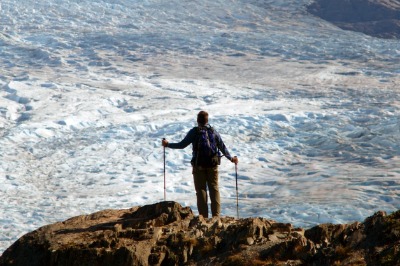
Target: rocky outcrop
[[168, 234], [379, 18]]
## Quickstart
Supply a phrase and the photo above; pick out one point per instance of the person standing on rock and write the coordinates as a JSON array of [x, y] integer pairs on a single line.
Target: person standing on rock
[[207, 145]]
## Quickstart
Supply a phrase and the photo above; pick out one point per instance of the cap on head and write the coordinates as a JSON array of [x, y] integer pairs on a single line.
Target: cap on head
[[202, 118]]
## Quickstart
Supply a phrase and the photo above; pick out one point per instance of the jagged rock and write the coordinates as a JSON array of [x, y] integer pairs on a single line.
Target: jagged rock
[[166, 233], [379, 18]]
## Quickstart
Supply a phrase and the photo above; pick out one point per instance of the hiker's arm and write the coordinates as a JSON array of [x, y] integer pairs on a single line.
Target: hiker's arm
[[184, 143], [224, 149]]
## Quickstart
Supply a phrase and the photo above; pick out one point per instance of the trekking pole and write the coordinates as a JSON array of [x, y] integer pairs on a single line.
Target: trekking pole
[[165, 193], [237, 193]]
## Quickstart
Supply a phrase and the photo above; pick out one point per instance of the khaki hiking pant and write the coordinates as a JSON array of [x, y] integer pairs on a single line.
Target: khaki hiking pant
[[203, 178]]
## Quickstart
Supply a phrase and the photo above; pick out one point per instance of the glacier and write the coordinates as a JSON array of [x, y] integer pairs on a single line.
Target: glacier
[[89, 88]]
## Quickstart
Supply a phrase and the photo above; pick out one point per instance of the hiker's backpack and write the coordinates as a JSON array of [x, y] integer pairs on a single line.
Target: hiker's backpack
[[206, 148]]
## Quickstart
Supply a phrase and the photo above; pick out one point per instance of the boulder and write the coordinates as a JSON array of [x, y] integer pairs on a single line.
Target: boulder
[[166, 233]]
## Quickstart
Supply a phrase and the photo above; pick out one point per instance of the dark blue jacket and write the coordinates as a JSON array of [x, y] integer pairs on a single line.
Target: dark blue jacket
[[191, 138]]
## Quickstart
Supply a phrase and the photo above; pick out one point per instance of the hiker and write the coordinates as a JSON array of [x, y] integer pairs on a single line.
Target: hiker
[[206, 144]]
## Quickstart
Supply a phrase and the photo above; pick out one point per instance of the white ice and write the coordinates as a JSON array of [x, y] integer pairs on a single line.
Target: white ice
[[89, 88]]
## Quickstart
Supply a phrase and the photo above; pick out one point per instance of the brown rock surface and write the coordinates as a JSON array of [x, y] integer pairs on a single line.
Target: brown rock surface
[[379, 18], [168, 234]]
